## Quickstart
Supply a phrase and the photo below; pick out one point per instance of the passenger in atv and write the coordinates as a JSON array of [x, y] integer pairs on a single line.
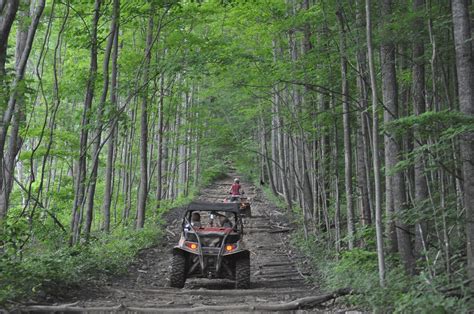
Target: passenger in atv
[[196, 220], [225, 222], [236, 190]]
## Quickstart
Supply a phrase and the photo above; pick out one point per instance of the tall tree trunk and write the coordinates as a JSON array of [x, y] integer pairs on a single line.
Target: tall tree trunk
[[109, 170], [336, 195], [79, 196], [15, 141], [362, 171], [421, 185], [396, 201], [392, 149], [375, 143], [159, 185], [347, 134], [10, 10], [275, 130], [465, 72], [96, 148], [143, 192], [7, 16]]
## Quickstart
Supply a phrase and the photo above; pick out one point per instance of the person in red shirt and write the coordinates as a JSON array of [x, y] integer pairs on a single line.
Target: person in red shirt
[[236, 190]]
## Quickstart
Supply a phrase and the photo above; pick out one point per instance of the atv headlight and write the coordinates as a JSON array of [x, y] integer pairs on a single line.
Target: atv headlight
[[230, 247], [193, 246]]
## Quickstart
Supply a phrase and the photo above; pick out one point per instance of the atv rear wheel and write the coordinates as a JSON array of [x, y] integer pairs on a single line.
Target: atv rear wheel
[[178, 270], [242, 272]]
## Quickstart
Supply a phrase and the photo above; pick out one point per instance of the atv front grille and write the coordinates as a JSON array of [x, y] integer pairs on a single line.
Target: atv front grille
[[211, 250]]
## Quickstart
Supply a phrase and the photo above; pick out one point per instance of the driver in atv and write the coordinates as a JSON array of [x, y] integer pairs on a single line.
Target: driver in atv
[[225, 222], [196, 220], [236, 190]]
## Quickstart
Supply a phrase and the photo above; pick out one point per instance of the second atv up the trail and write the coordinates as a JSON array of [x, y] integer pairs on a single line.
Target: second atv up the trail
[[211, 245]]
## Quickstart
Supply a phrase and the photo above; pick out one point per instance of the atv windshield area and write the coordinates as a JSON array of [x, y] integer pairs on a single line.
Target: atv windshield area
[[211, 220], [212, 228]]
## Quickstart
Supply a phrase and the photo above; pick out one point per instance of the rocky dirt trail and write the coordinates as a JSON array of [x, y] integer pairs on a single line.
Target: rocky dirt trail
[[278, 273]]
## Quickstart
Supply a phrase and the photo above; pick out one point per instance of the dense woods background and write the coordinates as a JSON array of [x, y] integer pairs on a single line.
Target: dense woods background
[[356, 115]]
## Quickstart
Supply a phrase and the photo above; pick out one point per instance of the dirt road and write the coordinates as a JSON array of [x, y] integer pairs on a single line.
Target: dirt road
[[278, 273]]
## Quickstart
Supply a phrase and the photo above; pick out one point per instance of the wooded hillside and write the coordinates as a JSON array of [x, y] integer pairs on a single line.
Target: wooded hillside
[[357, 115]]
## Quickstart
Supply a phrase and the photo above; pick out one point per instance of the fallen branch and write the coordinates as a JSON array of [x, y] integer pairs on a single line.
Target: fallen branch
[[230, 292], [280, 230], [278, 264], [67, 308], [302, 303], [258, 230]]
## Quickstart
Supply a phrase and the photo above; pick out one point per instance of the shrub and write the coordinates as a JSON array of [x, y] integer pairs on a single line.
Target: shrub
[[46, 270]]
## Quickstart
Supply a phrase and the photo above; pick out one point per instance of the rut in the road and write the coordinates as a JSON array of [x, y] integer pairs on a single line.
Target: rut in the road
[[278, 276]]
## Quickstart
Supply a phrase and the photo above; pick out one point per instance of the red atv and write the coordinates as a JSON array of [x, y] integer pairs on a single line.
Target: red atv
[[211, 245]]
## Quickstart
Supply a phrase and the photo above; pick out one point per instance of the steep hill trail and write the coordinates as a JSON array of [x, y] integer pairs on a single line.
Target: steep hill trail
[[278, 273]]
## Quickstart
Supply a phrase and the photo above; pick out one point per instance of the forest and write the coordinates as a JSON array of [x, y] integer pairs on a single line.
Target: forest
[[355, 117]]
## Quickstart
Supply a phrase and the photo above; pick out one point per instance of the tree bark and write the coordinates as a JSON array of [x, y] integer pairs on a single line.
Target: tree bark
[[15, 92], [96, 148], [419, 107], [79, 196], [159, 173], [109, 171], [465, 73], [396, 201], [347, 135], [7, 16], [375, 143], [362, 171], [15, 141]]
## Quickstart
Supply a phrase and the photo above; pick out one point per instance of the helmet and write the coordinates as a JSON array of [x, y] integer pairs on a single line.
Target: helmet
[[236, 180]]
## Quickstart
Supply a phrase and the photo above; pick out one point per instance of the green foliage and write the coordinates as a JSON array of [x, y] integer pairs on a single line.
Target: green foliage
[[402, 294], [47, 270], [231, 58], [445, 124]]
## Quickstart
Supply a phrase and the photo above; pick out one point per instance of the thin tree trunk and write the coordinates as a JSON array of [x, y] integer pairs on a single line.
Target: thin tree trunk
[[143, 191], [81, 167], [7, 16], [113, 131], [337, 199], [7, 114], [15, 141], [362, 171], [159, 185], [375, 141], [96, 148], [347, 135], [421, 185]]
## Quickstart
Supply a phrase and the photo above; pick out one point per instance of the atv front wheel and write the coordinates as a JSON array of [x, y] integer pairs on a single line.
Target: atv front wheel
[[178, 270], [242, 273]]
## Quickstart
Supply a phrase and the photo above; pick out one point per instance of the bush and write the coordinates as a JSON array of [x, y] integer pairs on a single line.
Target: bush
[[48, 270], [358, 269]]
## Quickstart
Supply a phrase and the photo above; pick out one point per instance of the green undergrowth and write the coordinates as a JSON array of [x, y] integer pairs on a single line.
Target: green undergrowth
[[430, 291], [43, 270], [358, 269], [42, 263]]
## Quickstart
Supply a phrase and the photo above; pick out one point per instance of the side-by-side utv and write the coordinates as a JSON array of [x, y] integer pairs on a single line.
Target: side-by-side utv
[[211, 245]]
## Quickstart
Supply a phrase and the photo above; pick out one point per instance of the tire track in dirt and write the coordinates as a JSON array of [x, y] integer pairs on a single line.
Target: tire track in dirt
[[278, 274]]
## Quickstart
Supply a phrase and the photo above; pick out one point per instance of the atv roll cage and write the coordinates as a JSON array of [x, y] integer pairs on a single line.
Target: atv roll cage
[[211, 247]]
